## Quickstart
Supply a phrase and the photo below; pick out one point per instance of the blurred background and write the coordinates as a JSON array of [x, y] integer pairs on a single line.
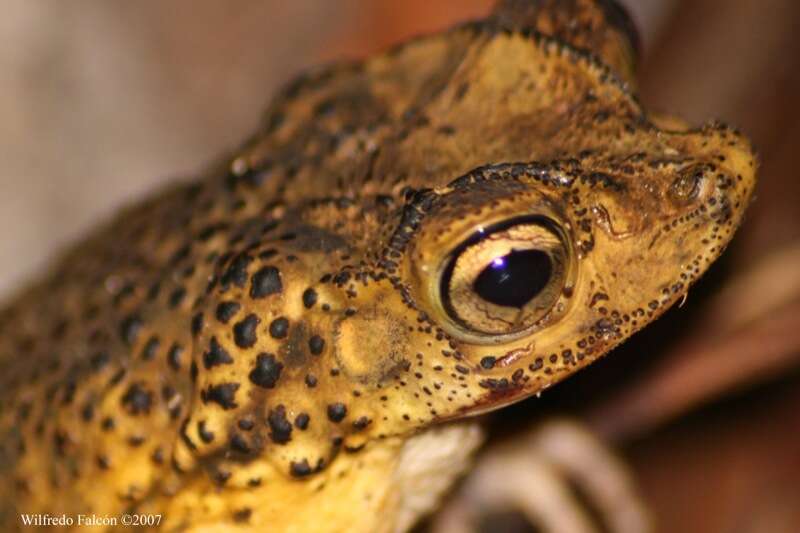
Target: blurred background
[[101, 101]]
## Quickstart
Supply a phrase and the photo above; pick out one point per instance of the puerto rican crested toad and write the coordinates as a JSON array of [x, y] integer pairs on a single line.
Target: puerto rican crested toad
[[297, 340]]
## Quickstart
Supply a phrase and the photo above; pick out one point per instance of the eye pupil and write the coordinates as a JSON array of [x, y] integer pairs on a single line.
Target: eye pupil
[[515, 278]]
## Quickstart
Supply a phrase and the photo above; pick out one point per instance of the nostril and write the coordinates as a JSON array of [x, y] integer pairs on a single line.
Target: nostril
[[686, 186]]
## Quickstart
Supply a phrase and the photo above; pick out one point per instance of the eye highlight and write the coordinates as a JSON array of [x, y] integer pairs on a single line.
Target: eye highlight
[[503, 279]]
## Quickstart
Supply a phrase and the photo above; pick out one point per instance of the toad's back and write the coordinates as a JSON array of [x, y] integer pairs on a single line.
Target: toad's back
[[260, 345]]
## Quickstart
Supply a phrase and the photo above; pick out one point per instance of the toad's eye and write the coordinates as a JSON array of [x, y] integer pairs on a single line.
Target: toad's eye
[[502, 280]]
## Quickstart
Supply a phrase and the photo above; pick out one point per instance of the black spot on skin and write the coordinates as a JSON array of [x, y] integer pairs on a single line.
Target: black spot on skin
[[24, 411], [168, 392], [246, 424], [311, 381], [129, 329], [280, 428], [265, 282], [180, 254], [337, 412], [123, 293], [137, 400], [154, 290], [177, 297], [99, 360], [241, 516], [69, 392], [244, 331], [341, 278], [267, 371], [279, 328], [226, 311], [239, 444], [324, 107], [117, 377], [309, 298], [174, 356], [87, 412], [488, 362], [197, 324], [216, 355], [300, 468], [361, 423], [236, 273], [158, 456], [223, 394], [150, 348], [316, 344], [301, 421], [60, 441], [222, 476], [205, 435]]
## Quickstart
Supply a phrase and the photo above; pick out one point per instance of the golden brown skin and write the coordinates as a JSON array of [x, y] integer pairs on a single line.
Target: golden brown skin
[[258, 348]]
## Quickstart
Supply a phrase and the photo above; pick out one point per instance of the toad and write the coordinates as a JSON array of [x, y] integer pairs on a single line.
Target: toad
[[301, 339]]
